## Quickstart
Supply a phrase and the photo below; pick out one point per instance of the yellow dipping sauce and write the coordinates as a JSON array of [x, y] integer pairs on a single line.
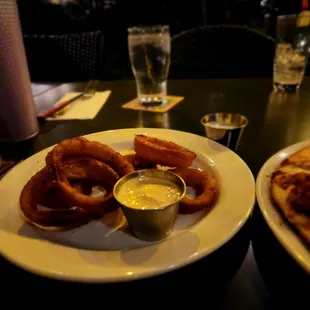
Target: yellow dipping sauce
[[148, 193]]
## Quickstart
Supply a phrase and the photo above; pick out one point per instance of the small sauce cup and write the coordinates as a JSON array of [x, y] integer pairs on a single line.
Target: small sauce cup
[[151, 224], [225, 128]]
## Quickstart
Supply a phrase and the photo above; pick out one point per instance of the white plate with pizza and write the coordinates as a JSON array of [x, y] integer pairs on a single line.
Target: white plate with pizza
[[104, 250], [283, 196]]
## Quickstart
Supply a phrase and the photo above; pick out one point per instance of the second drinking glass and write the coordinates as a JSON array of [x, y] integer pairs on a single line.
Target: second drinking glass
[[149, 51], [291, 53]]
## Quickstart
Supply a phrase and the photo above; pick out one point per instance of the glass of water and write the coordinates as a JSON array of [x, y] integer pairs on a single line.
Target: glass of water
[[149, 51], [291, 53]]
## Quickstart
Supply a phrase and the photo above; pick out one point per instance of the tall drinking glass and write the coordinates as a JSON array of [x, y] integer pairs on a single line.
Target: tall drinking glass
[[149, 51], [291, 54]]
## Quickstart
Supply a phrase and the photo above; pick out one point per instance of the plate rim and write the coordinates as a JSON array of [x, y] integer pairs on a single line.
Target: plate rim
[[272, 224], [156, 271]]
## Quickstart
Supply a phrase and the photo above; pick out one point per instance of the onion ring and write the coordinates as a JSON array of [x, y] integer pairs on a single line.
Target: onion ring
[[81, 147], [43, 181], [96, 172], [74, 168], [104, 156], [75, 171], [33, 193], [163, 152], [54, 199], [205, 186]]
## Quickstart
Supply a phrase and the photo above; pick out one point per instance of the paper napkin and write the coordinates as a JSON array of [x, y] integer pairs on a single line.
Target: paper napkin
[[81, 108]]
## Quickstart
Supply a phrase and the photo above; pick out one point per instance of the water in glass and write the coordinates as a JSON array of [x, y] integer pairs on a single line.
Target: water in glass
[[291, 53], [149, 52], [289, 67]]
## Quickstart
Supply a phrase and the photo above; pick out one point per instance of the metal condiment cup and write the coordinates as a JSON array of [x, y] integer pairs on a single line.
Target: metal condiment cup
[[151, 224], [225, 128]]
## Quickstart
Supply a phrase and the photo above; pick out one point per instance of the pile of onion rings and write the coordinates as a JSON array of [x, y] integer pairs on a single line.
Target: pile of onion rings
[[59, 196]]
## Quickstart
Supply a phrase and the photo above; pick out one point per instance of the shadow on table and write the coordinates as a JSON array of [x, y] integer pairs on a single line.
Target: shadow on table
[[206, 276], [287, 282]]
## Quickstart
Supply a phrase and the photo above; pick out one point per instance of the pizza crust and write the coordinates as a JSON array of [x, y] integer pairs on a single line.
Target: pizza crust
[[300, 158]]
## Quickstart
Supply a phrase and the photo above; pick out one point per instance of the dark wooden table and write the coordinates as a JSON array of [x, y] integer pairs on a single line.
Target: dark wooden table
[[252, 271]]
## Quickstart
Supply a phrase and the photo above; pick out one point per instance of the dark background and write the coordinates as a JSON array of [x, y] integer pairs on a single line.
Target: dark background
[[56, 17], [63, 16]]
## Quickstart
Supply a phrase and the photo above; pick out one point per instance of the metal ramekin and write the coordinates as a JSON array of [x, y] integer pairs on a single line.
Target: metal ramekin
[[151, 224]]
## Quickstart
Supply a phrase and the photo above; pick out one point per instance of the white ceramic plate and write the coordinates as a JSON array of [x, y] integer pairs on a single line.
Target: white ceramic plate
[[282, 230], [94, 253]]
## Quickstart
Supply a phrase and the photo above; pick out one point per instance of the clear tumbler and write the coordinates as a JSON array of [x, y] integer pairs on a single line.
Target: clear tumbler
[[291, 54], [149, 51]]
